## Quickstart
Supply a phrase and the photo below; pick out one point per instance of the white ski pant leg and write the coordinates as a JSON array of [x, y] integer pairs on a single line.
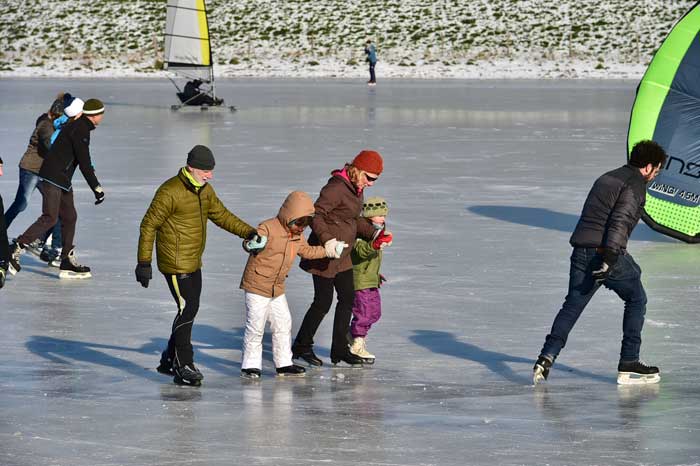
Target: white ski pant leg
[[281, 326], [258, 310]]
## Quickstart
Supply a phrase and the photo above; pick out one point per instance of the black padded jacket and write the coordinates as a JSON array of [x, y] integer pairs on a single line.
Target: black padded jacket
[[70, 150], [611, 211]]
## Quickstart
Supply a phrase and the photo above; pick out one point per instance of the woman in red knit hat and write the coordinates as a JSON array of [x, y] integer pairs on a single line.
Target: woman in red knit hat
[[337, 218]]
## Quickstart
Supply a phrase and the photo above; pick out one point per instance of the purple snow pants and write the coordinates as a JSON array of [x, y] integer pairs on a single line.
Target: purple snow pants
[[366, 310]]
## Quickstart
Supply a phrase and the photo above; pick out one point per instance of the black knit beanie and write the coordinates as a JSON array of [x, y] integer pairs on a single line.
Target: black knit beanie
[[201, 158]]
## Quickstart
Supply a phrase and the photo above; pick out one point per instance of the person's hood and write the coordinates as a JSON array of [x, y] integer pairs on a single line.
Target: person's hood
[[297, 205]]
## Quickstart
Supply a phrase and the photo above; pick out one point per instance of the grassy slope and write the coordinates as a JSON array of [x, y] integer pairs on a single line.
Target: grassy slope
[[129, 34]]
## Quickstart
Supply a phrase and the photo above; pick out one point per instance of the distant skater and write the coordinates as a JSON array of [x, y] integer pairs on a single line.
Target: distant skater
[[611, 211], [371, 52]]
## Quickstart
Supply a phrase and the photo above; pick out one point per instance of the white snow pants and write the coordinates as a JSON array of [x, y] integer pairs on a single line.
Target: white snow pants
[[258, 310]]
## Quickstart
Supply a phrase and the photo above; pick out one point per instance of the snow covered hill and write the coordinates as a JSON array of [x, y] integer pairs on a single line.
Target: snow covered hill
[[294, 38]]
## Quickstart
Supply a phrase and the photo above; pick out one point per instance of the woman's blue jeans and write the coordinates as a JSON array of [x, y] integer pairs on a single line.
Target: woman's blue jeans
[[624, 279]]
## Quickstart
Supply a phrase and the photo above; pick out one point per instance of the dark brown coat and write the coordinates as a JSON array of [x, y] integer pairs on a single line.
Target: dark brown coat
[[338, 210]]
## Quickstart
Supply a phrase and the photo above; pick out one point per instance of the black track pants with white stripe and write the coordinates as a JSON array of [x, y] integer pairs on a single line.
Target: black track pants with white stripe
[[186, 289]]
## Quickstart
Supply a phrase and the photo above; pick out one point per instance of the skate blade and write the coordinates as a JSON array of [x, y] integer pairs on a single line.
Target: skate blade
[[304, 362], [13, 270], [627, 378], [187, 383], [345, 365], [70, 275], [290, 376]]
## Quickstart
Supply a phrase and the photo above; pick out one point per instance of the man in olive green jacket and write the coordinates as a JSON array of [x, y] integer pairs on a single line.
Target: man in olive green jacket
[[177, 220]]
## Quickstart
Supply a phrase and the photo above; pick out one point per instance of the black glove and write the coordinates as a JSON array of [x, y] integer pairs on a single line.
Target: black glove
[[144, 273], [609, 259], [99, 195]]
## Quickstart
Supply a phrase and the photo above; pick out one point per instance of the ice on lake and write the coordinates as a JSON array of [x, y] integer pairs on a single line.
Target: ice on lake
[[485, 181]]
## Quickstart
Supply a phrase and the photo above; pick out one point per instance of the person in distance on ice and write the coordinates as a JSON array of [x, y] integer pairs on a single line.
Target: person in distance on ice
[[177, 221], [371, 52], [29, 166], [337, 218], [611, 211], [263, 282], [70, 150], [366, 262]]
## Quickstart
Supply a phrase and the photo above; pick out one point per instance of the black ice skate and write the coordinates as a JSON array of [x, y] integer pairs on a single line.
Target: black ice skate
[[347, 358], [307, 356], [71, 269], [51, 256], [636, 373], [16, 250], [187, 375], [541, 370], [166, 365], [291, 371], [251, 373]]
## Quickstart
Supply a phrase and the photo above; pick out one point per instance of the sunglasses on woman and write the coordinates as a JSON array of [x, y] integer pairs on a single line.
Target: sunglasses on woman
[[371, 179]]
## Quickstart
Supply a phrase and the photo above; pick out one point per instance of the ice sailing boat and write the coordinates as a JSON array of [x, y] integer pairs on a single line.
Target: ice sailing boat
[[188, 55], [667, 110]]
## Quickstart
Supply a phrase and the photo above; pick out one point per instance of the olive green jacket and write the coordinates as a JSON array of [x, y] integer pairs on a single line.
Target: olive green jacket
[[177, 220], [366, 262]]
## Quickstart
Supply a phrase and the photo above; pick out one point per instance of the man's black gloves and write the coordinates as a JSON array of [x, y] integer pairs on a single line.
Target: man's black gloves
[[144, 273], [609, 259]]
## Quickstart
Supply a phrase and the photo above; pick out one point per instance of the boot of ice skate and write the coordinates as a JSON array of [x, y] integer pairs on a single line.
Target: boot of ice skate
[[52, 256], [3, 272], [309, 356], [71, 269], [188, 375], [359, 348], [16, 250], [166, 365], [540, 371], [636, 373], [251, 373], [35, 247], [291, 371]]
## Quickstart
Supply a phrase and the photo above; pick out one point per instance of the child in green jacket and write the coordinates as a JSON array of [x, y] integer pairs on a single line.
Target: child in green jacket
[[366, 262]]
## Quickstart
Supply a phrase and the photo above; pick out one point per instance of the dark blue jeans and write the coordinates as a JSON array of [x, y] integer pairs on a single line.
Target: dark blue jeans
[[624, 280], [27, 184], [372, 77]]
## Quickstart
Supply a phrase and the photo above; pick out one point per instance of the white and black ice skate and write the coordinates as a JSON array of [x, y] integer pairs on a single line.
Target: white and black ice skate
[[358, 347], [187, 375], [71, 269], [540, 371], [251, 373], [636, 373], [16, 250], [291, 371], [35, 247]]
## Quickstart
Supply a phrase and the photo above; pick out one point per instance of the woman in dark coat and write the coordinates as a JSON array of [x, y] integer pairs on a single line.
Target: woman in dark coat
[[337, 217]]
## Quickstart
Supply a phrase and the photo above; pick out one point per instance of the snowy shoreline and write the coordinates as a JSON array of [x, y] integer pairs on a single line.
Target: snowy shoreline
[[504, 69]]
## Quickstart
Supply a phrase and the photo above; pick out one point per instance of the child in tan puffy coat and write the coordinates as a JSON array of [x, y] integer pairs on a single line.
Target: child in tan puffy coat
[[263, 282]]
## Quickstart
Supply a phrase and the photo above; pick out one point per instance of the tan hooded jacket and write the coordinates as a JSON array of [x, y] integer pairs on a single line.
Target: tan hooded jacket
[[266, 272]]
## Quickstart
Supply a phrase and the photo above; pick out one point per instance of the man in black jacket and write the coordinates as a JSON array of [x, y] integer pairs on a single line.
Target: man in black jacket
[[611, 211], [70, 150]]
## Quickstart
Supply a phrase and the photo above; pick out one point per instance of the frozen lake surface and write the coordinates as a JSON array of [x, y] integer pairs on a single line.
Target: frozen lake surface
[[485, 181]]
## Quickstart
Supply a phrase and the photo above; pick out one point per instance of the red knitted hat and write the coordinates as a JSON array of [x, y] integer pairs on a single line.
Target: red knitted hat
[[369, 161]]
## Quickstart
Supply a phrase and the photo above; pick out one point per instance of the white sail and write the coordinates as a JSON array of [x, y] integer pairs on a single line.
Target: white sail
[[187, 46]]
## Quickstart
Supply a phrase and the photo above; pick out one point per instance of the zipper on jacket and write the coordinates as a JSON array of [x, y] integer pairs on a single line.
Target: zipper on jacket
[[199, 197]]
